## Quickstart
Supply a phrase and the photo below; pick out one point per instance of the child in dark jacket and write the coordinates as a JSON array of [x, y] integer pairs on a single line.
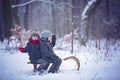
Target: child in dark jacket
[[33, 49], [47, 52]]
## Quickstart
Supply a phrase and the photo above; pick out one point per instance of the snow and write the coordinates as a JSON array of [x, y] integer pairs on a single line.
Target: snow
[[15, 67], [92, 66]]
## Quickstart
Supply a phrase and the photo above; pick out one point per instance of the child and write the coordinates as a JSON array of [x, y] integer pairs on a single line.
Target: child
[[47, 51], [33, 49]]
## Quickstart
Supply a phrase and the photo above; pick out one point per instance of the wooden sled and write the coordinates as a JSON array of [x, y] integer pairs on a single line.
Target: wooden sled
[[67, 58], [75, 59], [34, 66]]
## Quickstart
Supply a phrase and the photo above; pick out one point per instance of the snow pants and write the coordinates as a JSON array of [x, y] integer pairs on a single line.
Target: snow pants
[[43, 64], [55, 66]]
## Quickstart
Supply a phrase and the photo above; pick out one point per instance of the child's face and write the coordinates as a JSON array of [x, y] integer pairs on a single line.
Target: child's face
[[34, 37], [50, 38]]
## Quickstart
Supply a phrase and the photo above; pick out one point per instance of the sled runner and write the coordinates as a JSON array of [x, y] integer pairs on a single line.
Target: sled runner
[[75, 59], [67, 58]]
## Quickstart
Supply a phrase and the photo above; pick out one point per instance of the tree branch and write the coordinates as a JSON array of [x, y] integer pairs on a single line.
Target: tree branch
[[31, 1], [88, 8]]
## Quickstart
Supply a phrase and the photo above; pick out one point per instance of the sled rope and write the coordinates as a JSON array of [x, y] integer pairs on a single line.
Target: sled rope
[[75, 59]]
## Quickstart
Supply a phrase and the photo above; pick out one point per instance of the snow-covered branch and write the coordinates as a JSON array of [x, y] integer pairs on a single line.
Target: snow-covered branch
[[77, 17], [65, 4], [45, 1], [31, 1], [84, 20], [87, 8], [23, 4]]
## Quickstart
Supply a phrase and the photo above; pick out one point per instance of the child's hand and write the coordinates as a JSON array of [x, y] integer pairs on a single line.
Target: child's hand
[[21, 49]]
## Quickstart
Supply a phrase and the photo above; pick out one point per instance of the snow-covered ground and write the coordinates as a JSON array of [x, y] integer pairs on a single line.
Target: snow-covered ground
[[15, 67], [93, 67]]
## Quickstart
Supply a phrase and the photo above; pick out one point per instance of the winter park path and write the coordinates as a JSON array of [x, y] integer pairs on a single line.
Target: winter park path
[[15, 67]]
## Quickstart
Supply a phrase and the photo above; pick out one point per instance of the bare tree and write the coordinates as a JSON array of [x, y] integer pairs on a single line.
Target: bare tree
[[91, 5], [2, 30], [7, 18]]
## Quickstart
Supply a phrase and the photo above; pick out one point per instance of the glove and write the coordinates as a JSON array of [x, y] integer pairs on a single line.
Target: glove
[[21, 49]]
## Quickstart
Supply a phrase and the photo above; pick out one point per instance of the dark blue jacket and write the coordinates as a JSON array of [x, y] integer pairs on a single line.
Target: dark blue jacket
[[47, 52], [33, 50], [53, 40]]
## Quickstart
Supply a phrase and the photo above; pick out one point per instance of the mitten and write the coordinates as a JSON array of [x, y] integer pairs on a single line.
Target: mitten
[[21, 49]]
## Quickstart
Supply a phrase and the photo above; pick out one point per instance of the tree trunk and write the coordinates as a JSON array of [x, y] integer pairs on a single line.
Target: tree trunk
[[72, 40], [84, 21], [7, 10], [54, 19], [2, 29], [26, 17], [15, 12], [107, 10]]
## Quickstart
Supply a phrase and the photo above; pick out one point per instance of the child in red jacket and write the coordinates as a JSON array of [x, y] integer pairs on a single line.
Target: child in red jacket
[[33, 49]]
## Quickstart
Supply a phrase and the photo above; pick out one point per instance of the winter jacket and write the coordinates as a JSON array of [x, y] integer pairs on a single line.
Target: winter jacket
[[33, 49], [53, 40], [47, 51]]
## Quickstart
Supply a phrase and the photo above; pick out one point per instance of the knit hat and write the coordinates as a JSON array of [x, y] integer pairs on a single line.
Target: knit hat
[[45, 34], [35, 34]]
